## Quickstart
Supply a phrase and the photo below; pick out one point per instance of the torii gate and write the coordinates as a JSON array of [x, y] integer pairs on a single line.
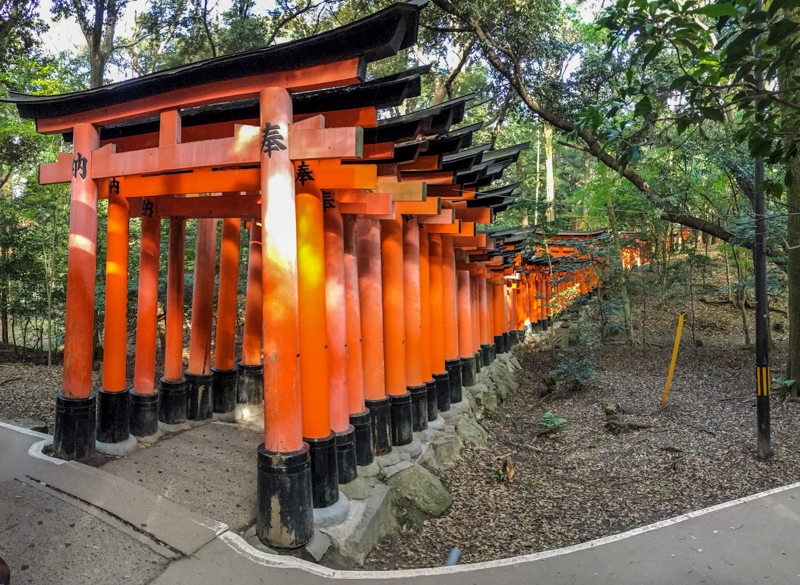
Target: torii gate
[[260, 157]]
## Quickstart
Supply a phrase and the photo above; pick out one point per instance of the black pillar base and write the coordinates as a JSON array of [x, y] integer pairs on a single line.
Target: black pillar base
[[223, 390], [75, 429], [284, 513], [442, 380], [499, 343], [249, 383], [430, 391], [492, 352], [198, 391], [402, 429], [362, 424], [478, 357], [486, 350], [468, 373], [419, 407], [113, 418], [144, 414], [172, 401], [545, 324], [381, 422], [346, 455], [453, 368], [324, 473], [506, 341]]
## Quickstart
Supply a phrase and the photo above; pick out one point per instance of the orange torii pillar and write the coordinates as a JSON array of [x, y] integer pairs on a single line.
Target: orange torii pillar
[[336, 312], [250, 371], [359, 413], [438, 366], [198, 375], [450, 329], [172, 405], [498, 316], [531, 280], [425, 315], [483, 315], [284, 509], [74, 434], [474, 303], [113, 419], [312, 329], [144, 400], [465, 321], [489, 316], [543, 303], [394, 330], [370, 291], [224, 370], [413, 324]]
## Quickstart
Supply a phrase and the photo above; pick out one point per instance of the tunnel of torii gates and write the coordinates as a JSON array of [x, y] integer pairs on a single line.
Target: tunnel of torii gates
[[370, 297]]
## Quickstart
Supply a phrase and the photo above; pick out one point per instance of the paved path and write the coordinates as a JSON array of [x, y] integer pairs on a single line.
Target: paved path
[[113, 528]]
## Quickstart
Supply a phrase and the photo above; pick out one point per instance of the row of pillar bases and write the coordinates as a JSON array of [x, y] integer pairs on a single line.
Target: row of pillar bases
[[299, 481]]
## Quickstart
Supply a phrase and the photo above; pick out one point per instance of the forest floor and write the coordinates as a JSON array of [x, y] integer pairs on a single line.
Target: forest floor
[[587, 482]]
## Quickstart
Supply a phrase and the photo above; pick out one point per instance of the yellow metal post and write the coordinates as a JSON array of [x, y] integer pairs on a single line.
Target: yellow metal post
[[674, 359]]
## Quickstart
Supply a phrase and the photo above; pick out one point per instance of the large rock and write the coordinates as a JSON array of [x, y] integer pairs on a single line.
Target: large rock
[[416, 490], [469, 431], [443, 454]]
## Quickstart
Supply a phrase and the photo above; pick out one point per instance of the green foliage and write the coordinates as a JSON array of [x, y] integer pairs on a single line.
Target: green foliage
[[549, 420], [576, 365]]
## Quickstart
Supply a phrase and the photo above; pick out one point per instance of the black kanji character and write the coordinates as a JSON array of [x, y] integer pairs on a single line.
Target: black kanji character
[[304, 173], [327, 200], [79, 165], [113, 186], [407, 217], [147, 208], [271, 139]]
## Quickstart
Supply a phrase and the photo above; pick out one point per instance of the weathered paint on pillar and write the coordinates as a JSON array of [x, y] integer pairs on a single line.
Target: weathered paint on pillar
[[79, 318], [115, 337], [498, 313], [314, 387], [227, 297], [173, 361], [411, 300], [144, 377], [449, 300], [483, 299], [425, 305], [464, 314], [203, 297], [474, 304], [352, 304], [370, 290], [436, 302], [335, 301], [282, 412], [393, 307], [254, 300]]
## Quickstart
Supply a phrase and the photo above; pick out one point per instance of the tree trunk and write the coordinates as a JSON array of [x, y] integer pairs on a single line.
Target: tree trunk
[[550, 187], [616, 261], [538, 180], [793, 272]]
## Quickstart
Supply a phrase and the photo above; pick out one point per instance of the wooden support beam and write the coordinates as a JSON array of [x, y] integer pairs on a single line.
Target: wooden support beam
[[432, 206], [410, 191], [452, 229], [376, 207], [222, 206], [447, 191], [478, 241], [423, 163], [364, 117], [475, 214], [446, 216]]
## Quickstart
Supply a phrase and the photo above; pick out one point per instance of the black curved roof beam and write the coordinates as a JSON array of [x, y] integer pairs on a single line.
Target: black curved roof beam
[[454, 140], [464, 159], [372, 38]]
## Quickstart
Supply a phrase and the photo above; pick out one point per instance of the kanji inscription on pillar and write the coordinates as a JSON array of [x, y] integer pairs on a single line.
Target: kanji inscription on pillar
[[271, 139], [327, 200], [79, 165], [304, 173], [113, 186], [147, 208]]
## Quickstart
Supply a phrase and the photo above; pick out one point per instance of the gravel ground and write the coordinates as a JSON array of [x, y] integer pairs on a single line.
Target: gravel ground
[[584, 482]]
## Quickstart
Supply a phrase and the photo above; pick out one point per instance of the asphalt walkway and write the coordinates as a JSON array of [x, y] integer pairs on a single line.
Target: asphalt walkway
[[68, 523]]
